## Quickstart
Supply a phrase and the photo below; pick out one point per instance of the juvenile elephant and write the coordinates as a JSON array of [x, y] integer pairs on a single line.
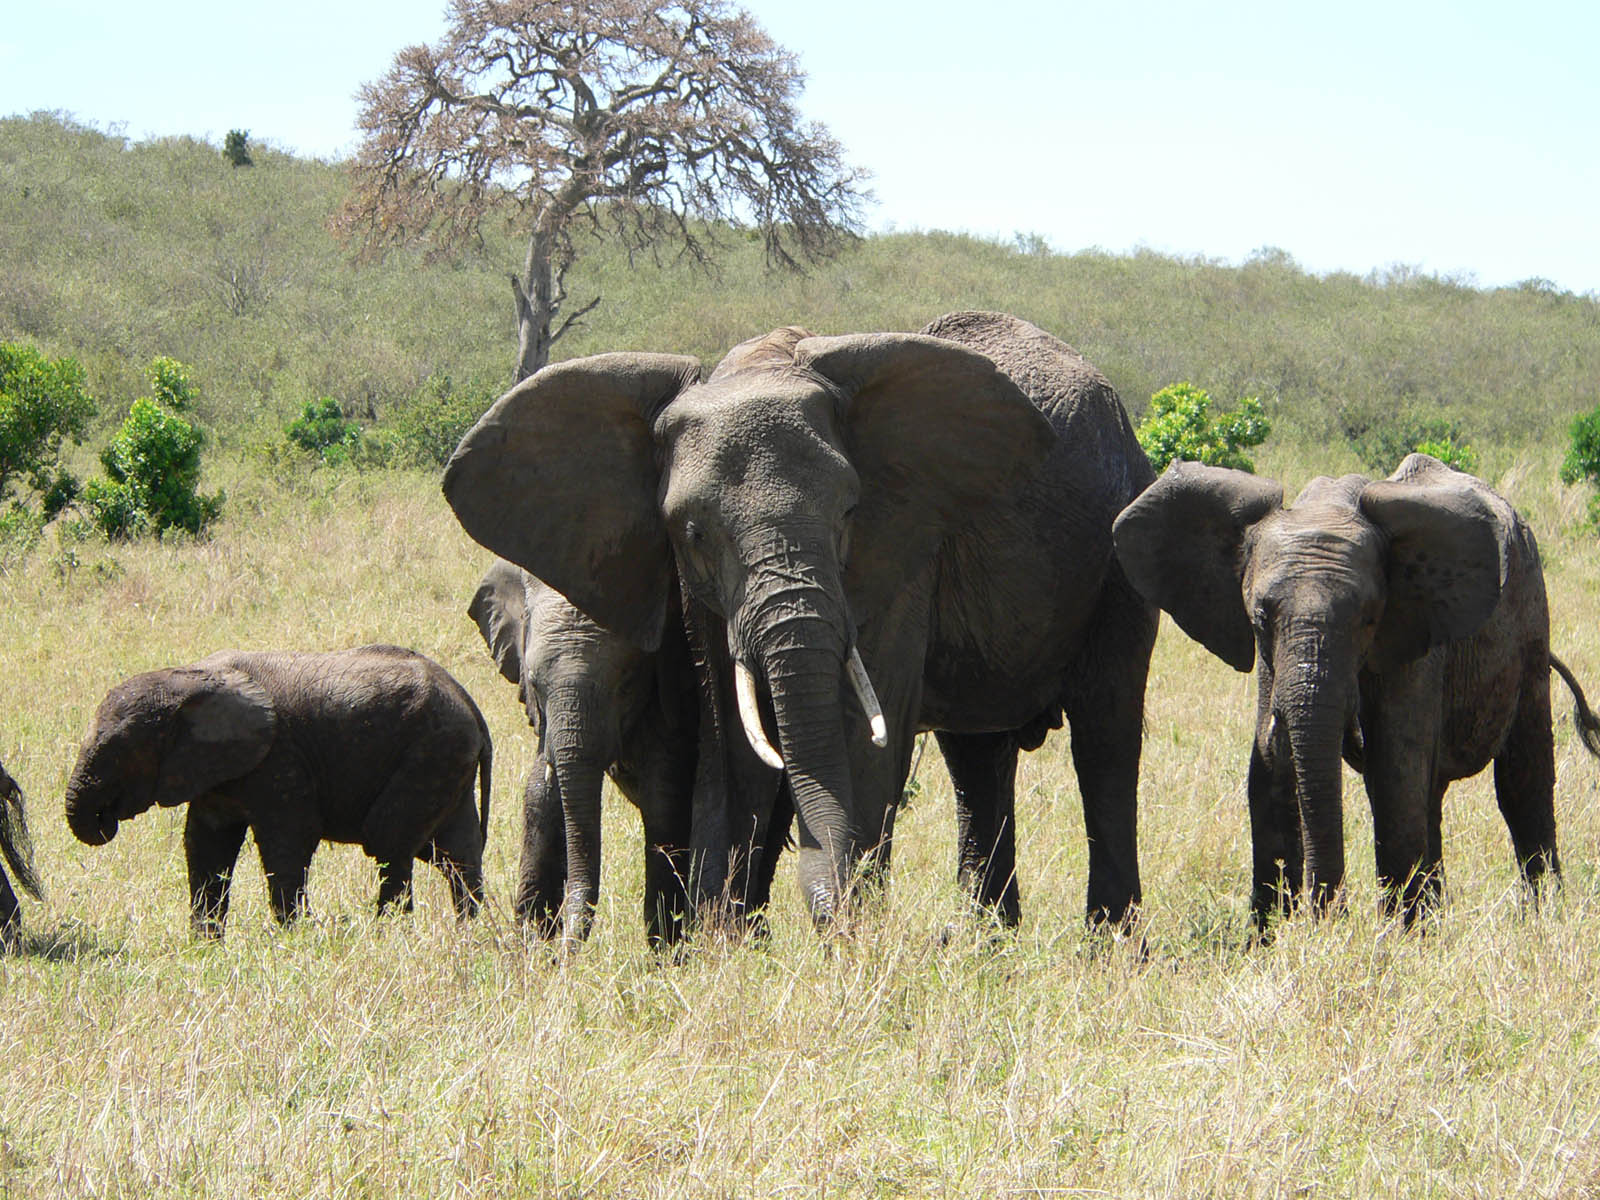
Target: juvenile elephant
[[601, 706], [876, 534], [375, 746], [17, 849], [1401, 623]]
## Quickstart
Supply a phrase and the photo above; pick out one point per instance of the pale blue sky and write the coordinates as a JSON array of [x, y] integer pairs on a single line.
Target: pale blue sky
[[1460, 138]]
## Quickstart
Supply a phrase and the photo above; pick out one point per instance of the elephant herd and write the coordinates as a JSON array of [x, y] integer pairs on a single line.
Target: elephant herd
[[743, 595]]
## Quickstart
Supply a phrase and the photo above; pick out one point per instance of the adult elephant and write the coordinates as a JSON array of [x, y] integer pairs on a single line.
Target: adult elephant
[[876, 533], [1401, 623], [601, 706]]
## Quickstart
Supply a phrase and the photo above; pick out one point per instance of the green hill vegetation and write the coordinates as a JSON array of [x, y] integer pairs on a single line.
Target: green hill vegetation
[[115, 252]]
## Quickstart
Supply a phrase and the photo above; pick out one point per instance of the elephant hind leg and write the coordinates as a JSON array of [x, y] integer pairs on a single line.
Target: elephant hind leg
[[983, 771], [457, 851], [1524, 783]]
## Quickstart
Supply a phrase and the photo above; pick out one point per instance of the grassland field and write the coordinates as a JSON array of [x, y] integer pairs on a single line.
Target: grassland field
[[356, 1057], [920, 1052]]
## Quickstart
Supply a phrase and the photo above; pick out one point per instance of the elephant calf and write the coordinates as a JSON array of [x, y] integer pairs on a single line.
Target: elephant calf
[[601, 706], [375, 746], [1400, 623], [17, 849]]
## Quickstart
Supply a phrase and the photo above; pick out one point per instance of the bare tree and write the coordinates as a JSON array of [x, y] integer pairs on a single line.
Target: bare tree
[[648, 122]]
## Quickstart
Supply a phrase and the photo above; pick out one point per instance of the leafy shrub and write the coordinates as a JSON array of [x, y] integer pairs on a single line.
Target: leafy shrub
[[1583, 455], [1382, 440], [42, 401], [425, 432], [236, 148], [171, 384], [153, 467], [322, 429], [1180, 425]]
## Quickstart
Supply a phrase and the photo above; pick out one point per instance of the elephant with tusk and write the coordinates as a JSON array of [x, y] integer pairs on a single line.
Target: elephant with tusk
[[874, 534]]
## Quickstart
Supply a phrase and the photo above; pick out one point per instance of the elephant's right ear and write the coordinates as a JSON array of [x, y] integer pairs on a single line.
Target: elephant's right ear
[[222, 728], [499, 607], [1181, 543], [560, 477]]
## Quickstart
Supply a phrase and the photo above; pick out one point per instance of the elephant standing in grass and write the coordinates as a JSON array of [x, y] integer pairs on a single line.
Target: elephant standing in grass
[[376, 746], [601, 706], [1401, 623], [875, 534], [16, 847]]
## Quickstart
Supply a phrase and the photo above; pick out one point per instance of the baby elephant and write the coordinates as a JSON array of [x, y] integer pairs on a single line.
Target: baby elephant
[[1400, 624], [375, 746], [17, 850]]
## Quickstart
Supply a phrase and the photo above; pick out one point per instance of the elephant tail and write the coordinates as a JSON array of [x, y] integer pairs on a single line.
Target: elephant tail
[[15, 843], [485, 775], [1583, 718]]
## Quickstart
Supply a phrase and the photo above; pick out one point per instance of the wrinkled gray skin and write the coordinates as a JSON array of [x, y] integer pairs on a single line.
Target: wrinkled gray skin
[[16, 847], [375, 746], [600, 706], [1400, 624], [942, 504]]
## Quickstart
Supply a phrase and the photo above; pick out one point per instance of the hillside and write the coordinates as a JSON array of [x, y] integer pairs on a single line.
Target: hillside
[[114, 252]]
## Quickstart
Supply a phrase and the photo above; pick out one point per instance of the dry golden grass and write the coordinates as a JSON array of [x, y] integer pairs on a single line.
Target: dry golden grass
[[351, 1057]]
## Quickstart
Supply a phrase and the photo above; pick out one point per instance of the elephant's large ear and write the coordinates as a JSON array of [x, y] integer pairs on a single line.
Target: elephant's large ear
[[221, 729], [499, 607], [1181, 545], [936, 433], [1448, 545], [560, 477]]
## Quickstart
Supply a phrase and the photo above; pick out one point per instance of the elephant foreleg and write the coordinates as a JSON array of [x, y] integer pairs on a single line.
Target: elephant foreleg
[[542, 874], [211, 849], [983, 770], [1106, 740], [1277, 856]]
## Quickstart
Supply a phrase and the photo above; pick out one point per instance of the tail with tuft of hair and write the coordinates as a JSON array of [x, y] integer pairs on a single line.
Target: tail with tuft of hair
[[15, 843], [1583, 718]]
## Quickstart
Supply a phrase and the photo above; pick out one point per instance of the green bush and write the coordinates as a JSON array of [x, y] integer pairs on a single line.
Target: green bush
[[1180, 425], [425, 432], [322, 429], [236, 148], [171, 383], [42, 401], [153, 467], [1582, 462], [1382, 439]]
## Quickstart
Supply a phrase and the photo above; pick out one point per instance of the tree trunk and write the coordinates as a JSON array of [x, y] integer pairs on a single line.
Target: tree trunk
[[534, 291]]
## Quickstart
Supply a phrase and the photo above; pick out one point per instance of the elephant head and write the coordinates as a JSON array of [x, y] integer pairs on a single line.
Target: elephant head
[[166, 737], [795, 492], [1355, 577]]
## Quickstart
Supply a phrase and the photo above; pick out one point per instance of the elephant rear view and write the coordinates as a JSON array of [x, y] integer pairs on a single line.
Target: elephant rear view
[[376, 746]]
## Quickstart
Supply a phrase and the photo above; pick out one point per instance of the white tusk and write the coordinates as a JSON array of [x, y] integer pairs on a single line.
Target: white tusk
[[549, 772], [869, 698], [750, 715]]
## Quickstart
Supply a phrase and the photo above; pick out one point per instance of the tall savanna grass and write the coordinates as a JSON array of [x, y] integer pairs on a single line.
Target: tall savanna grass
[[922, 1052]]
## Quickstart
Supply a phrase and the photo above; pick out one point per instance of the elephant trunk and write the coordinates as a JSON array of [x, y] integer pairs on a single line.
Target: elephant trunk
[[91, 810], [810, 726], [573, 742], [1310, 705]]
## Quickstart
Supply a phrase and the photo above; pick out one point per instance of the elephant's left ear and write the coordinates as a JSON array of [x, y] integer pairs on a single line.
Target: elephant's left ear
[[1448, 546], [499, 609], [936, 433], [222, 729]]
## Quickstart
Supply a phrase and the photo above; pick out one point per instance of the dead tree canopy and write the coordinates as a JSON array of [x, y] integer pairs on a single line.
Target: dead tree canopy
[[644, 122]]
